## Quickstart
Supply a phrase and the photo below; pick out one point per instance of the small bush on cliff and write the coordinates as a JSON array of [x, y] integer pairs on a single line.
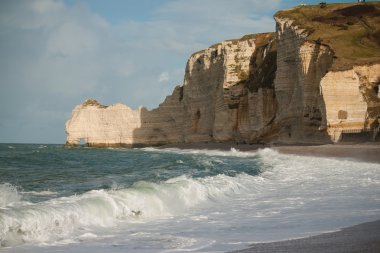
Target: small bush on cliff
[[92, 102]]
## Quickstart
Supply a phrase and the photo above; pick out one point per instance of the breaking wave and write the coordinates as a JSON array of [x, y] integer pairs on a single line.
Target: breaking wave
[[60, 218], [8, 195]]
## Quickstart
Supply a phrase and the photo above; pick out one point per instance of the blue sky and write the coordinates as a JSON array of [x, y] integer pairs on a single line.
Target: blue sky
[[56, 53]]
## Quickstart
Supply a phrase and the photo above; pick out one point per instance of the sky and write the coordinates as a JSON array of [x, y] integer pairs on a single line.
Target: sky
[[54, 54]]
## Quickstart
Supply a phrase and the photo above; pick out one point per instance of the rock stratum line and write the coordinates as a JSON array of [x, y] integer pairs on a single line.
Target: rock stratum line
[[315, 80]]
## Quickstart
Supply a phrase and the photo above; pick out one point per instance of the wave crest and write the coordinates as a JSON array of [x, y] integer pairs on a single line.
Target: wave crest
[[8, 194], [60, 218]]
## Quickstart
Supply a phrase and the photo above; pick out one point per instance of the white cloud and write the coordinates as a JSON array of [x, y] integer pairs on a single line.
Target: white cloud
[[223, 10], [164, 77], [72, 39], [46, 6]]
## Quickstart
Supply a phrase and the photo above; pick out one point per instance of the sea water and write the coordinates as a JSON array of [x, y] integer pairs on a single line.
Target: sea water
[[54, 198]]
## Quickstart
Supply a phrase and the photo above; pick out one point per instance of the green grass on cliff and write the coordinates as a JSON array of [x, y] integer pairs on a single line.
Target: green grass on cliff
[[351, 30], [93, 102]]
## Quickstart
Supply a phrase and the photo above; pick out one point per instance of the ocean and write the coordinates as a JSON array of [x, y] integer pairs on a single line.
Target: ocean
[[54, 198]]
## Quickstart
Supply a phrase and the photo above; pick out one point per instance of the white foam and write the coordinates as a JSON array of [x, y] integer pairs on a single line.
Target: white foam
[[229, 153], [59, 218], [40, 193], [234, 150], [88, 235], [8, 194]]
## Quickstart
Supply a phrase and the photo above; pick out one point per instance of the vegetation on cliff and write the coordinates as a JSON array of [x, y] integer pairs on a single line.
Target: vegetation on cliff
[[351, 30], [93, 102]]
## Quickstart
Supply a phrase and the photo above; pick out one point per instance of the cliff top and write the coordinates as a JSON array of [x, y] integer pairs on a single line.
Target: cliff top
[[259, 38], [92, 102], [351, 30]]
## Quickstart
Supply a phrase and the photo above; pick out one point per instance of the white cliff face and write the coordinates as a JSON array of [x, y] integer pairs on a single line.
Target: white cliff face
[[300, 68], [349, 97], [203, 83], [214, 100], [262, 113], [214, 104], [315, 103], [119, 125], [164, 124], [105, 126]]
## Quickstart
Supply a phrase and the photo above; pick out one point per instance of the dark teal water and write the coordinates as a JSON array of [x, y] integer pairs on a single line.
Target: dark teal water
[[68, 171]]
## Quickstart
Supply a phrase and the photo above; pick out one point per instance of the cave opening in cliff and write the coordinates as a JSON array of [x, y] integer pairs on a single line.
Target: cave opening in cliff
[[82, 142]]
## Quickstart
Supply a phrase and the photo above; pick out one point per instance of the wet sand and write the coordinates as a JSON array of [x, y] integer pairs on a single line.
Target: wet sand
[[367, 152], [360, 152], [361, 238]]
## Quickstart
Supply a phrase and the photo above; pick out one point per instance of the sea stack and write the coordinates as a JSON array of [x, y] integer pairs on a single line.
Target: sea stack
[[315, 80]]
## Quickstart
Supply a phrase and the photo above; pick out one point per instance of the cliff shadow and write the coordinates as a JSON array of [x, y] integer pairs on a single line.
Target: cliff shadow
[[261, 102], [162, 125]]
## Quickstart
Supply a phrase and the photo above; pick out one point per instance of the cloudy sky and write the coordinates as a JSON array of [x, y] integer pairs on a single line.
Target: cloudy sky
[[55, 54]]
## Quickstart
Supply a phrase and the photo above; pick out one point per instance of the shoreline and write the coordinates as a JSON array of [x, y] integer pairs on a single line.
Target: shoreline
[[364, 237], [365, 152]]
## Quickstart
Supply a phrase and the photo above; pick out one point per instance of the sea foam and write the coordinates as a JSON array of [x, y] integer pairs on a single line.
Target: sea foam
[[62, 217], [8, 194]]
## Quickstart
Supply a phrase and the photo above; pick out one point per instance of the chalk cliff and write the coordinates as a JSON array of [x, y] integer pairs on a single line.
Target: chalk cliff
[[328, 72], [216, 102], [298, 85]]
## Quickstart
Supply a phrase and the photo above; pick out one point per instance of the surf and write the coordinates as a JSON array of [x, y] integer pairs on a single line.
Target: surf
[[58, 218]]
